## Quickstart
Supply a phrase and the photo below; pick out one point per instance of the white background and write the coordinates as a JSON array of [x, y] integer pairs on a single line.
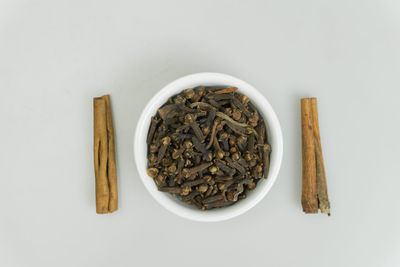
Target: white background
[[55, 56]]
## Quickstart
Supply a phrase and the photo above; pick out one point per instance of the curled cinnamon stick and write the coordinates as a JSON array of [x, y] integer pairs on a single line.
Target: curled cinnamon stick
[[314, 189], [104, 157]]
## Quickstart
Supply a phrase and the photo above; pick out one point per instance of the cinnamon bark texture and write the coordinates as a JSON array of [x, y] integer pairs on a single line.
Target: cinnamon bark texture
[[104, 157], [322, 189], [309, 198], [314, 191]]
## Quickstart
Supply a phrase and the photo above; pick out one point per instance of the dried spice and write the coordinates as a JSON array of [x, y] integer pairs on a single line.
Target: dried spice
[[208, 147], [104, 156], [314, 189]]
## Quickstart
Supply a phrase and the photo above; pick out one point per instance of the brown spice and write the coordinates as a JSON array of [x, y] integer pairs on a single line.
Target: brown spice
[[314, 189], [208, 147], [104, 157]]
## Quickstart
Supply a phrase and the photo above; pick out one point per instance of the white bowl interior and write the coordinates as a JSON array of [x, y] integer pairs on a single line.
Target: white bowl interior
[[274, 138]]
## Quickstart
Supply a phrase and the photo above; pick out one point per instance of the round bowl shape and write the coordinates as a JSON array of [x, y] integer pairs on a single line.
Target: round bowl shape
[[274, 138]]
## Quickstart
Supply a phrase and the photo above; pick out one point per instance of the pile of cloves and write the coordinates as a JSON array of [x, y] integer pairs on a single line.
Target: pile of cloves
[[208, 146]]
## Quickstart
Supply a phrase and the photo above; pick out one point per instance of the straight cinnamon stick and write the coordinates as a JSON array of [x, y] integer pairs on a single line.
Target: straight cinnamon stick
[[309, 198], [322, 189], [104, 157], [314, 189]]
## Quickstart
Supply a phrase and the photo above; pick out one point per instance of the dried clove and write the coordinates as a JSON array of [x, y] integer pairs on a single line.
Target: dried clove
[[153, 125], [213, 199], [226, 169], [190, 119], [193, 183], [168, 111], [191, 195], [266, 151], [208, 146], [172, 190]]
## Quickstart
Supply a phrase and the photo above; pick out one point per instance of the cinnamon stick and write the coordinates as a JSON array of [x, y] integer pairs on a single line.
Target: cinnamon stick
[[309, 198], [322, 189], [104, 157], [314, 189]]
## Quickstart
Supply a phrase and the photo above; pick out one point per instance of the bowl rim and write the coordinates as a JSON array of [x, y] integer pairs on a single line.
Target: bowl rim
[[273, 125]]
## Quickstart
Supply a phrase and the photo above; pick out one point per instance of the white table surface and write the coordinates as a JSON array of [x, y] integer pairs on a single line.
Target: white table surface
[[56, 55]]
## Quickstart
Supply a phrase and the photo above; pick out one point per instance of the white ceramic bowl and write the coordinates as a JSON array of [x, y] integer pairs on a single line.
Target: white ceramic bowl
[[274, 137]]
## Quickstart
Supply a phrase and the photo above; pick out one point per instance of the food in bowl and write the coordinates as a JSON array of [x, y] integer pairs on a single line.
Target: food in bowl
[[208, 147]]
